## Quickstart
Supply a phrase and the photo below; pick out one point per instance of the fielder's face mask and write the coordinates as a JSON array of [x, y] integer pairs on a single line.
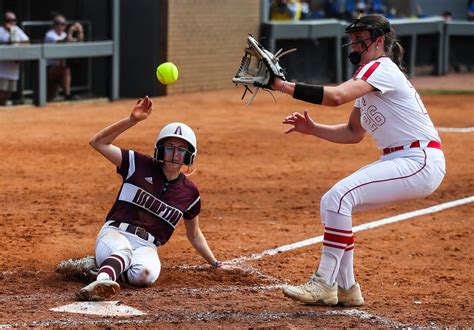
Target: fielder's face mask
[[357, 26]]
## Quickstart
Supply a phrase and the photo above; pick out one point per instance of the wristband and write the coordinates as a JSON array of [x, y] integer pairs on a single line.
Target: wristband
[[309, 93], [216, 264]]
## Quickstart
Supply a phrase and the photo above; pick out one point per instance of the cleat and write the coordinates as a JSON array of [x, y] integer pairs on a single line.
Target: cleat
[[314, 292], [99, 290], [77, 269], [351, 297]]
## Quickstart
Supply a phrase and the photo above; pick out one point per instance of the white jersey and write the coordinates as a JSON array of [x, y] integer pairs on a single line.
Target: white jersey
[[11, 69], [394, 113]]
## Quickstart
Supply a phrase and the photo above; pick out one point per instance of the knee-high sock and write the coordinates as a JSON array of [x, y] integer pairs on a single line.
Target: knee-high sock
[[111, 268], [345, 277], [337, 235]]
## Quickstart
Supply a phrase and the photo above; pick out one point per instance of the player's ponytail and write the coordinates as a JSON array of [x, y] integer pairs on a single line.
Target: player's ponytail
[[394, 50], [379, 25]]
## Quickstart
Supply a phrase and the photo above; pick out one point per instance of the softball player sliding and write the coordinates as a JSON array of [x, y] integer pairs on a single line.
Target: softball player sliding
[[412, 164], [153, 197]]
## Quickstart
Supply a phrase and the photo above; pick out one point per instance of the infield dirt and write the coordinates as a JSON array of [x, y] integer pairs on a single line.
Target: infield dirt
[[260, 189]]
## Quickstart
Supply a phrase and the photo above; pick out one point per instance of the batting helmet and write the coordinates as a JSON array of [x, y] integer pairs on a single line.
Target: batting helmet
[[180, 131]]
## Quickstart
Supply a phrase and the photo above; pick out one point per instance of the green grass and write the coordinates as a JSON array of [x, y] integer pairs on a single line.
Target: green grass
[[445, 91]]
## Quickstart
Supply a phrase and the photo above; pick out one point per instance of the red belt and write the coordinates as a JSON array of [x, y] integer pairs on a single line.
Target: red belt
[[416, 144]]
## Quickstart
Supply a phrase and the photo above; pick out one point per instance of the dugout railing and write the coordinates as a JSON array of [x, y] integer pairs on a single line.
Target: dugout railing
[[40, 53], [321, 58]]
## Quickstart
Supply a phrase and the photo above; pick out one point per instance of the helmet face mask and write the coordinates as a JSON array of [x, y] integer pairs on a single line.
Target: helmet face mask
[[179, 131], [360, 25]]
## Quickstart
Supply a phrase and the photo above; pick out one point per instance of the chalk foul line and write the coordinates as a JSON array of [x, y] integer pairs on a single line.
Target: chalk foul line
[[456, 129], [370, 225]]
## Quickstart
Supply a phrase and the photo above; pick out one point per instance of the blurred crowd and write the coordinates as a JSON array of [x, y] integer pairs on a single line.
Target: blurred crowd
[[58, 72], [296, 10]]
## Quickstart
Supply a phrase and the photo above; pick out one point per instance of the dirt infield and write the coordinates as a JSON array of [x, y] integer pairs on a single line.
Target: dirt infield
[[260, 189]]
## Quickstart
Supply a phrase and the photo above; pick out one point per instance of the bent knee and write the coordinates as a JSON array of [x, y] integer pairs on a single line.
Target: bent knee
[[336, 200], [143, 276]]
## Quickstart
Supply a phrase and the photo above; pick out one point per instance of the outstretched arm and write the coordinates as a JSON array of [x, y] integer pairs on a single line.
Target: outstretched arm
[[352, 132], [102, 141], [197, 239], [332, 96]]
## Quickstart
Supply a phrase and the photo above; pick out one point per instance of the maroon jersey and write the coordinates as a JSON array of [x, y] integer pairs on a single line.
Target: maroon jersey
[[148, 200]]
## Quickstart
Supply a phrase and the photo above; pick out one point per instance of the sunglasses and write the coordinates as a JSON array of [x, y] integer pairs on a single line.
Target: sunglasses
[[9, 20], [59, 23]]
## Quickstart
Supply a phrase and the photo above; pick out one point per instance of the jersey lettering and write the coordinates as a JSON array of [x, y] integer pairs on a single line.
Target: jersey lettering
[[418, 99], [139, 197], [372, 118]]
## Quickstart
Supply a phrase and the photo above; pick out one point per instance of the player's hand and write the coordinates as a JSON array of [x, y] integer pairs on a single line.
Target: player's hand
[[231, 268], [142, 109], [303, 124]]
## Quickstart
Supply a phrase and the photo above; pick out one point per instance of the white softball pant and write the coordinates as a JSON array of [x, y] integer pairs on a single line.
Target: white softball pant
[[142, 264], [401, 175]]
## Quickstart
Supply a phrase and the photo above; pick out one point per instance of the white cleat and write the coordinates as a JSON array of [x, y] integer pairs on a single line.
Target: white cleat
[[314, 292], [99, 290], [351, 297]]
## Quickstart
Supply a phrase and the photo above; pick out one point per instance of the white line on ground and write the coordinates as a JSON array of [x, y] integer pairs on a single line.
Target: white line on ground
[[456, 130], [374, 224]]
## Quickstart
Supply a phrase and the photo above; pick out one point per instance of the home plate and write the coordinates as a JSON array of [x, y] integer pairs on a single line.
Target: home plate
[[102, 308]]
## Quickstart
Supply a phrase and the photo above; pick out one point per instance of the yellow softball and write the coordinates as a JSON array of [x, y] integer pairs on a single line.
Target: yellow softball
[[167, 73]]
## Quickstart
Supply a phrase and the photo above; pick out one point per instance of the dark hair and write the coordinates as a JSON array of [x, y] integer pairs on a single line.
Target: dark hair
[[392, 46]]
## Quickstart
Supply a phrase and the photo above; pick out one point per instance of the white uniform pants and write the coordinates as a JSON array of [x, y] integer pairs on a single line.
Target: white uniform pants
[[143, 265], [401, 175]]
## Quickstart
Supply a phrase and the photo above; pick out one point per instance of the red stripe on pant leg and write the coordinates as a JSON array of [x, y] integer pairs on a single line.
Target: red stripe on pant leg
[[350, 240], [109, 271], [377, 181], [334, 246], [350, 248], [336, 238], [339, 230]]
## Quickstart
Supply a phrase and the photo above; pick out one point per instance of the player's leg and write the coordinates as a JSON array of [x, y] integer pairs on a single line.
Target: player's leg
[[376, 185], [54, 81], [145, 268], [114, 256]]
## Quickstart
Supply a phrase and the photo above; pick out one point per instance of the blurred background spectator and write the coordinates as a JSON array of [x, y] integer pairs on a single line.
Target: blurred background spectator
[[59, 74], [285, 10], [470, 10], [10, 34]]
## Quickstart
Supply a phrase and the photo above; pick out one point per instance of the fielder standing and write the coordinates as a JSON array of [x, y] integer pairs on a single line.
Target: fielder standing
[[412, 164], [153, 197]]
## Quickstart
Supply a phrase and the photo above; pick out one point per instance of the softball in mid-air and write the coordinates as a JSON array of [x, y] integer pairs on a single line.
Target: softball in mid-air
[[167, 73]]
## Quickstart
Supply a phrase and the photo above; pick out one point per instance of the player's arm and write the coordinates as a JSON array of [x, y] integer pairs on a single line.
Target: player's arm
[[352, 132], [198, 241], [102, 141], [326, 95]]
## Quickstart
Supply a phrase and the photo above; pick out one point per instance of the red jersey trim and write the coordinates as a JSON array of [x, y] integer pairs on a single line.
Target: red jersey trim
[[371, 70]]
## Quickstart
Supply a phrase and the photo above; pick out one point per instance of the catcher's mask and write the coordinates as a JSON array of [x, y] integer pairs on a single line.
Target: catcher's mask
[[180, 131], [365, 23]]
